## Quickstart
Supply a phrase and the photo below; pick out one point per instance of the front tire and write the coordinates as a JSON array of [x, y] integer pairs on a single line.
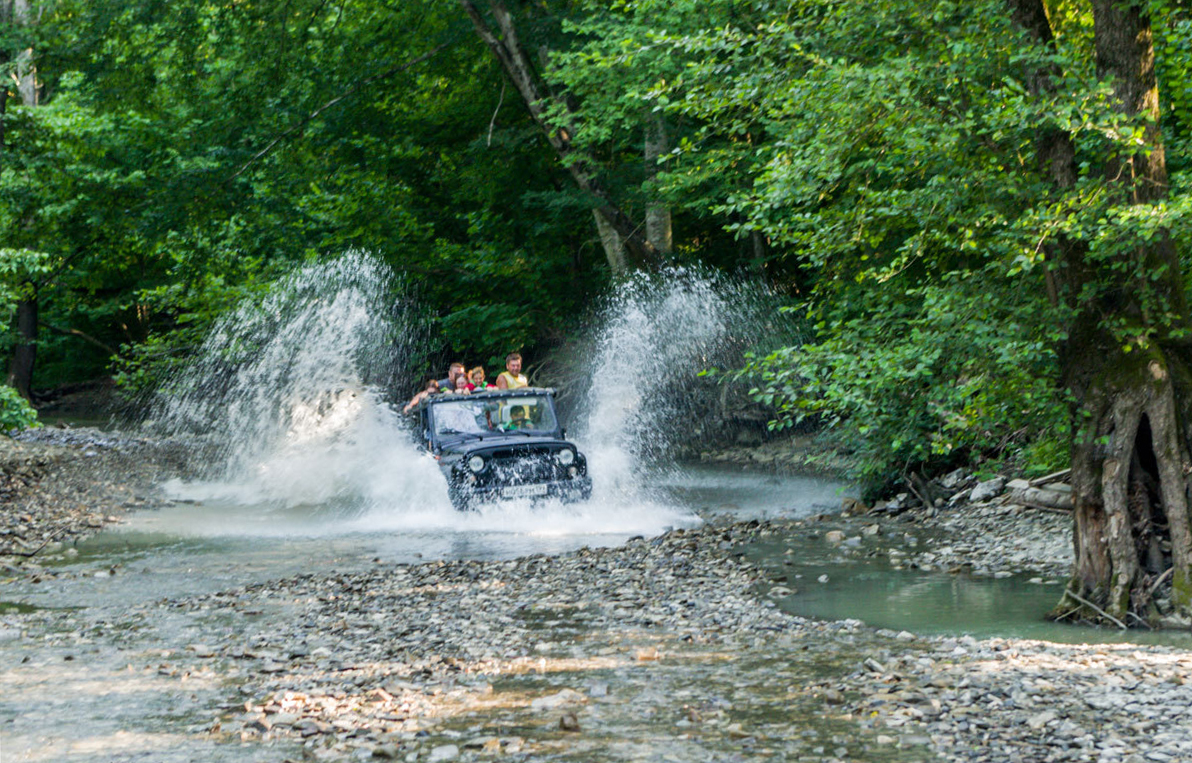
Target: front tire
[[461, 499]]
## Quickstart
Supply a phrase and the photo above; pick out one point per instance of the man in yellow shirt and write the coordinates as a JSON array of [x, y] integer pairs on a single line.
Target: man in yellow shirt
[[512, 377]]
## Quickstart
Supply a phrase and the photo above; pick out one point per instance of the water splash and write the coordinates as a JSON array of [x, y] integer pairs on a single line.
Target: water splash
[[645, 393], [290, 394]]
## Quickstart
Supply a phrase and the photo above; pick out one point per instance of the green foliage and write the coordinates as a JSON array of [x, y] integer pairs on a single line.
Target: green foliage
[[891, 153], [875, 160], [15, 411], [931, 377]]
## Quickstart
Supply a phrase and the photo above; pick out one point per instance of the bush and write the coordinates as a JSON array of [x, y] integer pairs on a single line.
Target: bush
[[15, 411]]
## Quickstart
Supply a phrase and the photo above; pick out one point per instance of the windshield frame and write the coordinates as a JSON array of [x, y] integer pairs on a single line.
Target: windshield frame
[[493, 406]]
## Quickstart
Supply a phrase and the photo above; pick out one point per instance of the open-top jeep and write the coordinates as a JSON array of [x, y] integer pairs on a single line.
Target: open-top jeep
[[502, 445]]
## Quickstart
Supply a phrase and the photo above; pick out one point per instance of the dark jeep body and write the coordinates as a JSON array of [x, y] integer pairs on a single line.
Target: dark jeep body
[[502, 444]]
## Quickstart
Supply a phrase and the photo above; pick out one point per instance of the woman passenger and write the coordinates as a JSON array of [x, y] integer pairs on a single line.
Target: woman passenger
[[431, 388]]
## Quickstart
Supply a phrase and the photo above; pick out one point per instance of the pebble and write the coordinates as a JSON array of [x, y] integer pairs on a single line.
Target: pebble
[[442, 753]]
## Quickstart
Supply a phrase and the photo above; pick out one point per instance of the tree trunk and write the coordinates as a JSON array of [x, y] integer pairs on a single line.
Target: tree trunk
[[26, 69], [20, 369], [658, 216], [506, 45], [1130, 412], [614, 247]]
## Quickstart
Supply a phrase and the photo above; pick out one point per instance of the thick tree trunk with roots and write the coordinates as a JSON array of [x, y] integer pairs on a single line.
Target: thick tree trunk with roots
[[1130, 452], [1130, 466]]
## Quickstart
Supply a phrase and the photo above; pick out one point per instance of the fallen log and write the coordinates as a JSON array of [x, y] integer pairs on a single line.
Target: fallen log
[[1042, 498]]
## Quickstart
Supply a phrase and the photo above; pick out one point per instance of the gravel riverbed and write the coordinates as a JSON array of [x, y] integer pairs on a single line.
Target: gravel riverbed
[[667, 648]]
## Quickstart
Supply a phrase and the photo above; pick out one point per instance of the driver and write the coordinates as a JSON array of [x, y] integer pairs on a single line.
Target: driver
[[518, 419]]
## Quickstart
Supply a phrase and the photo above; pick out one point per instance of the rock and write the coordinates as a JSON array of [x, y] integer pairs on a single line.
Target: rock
[[833, 697], [988, 490], [442, 753], [260, 724], [569, 722], [557, 700], [851, 507], [835, 537], [1040, 720], [900, 502], [954, 479]]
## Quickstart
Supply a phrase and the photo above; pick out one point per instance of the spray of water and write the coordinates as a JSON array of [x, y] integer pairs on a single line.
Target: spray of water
[[655, 334], [645, 392], [288, 391]]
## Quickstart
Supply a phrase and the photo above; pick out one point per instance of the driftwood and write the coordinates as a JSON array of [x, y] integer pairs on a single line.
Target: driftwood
[[1047, 479], [1097, 609], [1042, 498]]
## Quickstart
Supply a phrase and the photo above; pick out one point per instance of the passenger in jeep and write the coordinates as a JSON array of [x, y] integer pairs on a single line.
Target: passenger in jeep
[[512, 377]]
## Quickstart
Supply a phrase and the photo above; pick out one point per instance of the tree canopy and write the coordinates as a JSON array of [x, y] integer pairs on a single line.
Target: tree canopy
[[876, 162]]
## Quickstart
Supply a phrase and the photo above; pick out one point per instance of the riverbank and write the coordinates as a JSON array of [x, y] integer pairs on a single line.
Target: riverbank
[[62, 484], [663, 648]]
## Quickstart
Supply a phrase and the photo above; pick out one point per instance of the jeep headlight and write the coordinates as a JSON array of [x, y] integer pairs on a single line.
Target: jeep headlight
[[476, 463], [566, 456]]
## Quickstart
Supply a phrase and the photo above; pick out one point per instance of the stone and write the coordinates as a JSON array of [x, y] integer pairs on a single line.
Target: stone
[[851, 507], [557, 700], [442, 753], [988, 490], [835, 537], [569, 722], [1040, 720]]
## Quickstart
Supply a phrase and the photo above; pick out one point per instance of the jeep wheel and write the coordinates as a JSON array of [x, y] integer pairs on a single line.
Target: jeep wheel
[[460, 498]]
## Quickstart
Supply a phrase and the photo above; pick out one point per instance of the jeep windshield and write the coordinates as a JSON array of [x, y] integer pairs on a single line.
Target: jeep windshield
[[528, 414]]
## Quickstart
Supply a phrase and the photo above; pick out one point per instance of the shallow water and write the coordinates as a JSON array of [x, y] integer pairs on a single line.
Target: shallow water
[[829, 586], [204, 544], [95, 683]]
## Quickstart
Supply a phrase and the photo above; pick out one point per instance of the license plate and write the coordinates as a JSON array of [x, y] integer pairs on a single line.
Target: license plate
[[523, 491]]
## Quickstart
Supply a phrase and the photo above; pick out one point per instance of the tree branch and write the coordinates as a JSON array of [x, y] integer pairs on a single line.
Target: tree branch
[[81, 335], [508, 50]]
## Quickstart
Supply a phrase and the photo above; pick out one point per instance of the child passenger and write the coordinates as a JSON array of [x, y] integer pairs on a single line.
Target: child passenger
[[462, 385], [478, 381]]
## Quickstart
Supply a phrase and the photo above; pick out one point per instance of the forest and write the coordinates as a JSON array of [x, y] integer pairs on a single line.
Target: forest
[[978, 211]]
